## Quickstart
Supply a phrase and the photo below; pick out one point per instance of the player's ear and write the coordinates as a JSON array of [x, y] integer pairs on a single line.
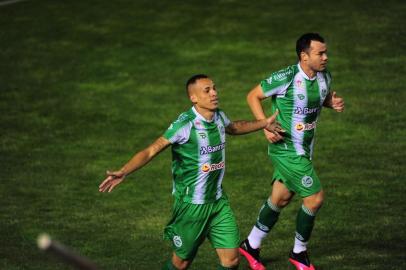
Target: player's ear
[[304, 56], [193, 98]]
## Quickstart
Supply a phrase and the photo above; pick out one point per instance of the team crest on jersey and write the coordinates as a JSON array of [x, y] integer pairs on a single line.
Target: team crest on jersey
[[307, 181], [301, 96], [212, 167], [177, 241], [299, 83]]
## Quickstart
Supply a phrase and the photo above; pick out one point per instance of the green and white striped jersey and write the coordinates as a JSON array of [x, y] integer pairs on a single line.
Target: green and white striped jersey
[[198, 156], [299, 100]]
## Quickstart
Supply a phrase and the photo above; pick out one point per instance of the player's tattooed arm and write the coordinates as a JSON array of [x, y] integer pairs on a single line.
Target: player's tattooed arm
[[242, 127], [136, 162], [334, 102]]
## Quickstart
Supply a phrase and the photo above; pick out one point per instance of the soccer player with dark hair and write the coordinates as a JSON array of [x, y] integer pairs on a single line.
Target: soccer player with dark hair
[[298, 92], [201, 208]]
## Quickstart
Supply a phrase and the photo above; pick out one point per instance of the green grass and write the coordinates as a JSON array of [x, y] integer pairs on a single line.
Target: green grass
[[85, 84]]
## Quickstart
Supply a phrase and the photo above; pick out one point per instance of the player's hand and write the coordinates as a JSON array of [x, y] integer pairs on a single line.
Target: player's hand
[[337, 103], [273, 130], [273, 137], [112, 180]]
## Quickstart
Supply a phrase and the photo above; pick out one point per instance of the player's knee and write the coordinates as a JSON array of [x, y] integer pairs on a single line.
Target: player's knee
[[315, 202], [181, 264], [230, 262]]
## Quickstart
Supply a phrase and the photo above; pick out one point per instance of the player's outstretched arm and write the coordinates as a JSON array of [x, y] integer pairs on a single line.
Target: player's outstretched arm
[[242, 127], [136, 162], [334, 102]]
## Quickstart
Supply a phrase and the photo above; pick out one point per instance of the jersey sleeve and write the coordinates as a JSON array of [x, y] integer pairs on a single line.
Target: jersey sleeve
[[179, 131], [278, 82], [226, 120]]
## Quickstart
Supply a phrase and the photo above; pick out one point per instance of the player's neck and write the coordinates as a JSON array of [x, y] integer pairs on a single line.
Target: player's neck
[[206, 113], [307, 70]]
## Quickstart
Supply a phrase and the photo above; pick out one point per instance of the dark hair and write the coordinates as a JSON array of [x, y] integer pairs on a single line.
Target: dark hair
[[303, 43], [193, 79]]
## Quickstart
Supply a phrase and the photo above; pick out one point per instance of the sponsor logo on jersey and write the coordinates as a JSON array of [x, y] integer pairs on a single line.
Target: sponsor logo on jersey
[[202, 135], [213, 167], [305, 126], [307, 181], [282, 75], [306, 110], [177, 241], [269, 80], [204, 150]]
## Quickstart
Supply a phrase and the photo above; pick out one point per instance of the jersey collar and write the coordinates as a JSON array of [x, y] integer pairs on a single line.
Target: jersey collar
[[200, 117], [304, 74]]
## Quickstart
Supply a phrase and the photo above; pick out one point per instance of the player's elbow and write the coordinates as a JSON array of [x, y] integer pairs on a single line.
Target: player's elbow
[[255, 96]]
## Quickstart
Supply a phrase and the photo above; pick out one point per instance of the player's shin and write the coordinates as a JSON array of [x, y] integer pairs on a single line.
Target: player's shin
[[267, 217], [304, 226]]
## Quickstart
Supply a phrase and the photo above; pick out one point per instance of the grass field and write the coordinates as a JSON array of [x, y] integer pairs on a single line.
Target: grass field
[[85, 84]]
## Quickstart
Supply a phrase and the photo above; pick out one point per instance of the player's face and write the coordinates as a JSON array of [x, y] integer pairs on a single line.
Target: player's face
[[317, 56], [204, 94]]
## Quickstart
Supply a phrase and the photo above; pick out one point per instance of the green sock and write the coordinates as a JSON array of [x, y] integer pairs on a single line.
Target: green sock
[[267, 217], [220, 267], [169, 266], [304, 224]]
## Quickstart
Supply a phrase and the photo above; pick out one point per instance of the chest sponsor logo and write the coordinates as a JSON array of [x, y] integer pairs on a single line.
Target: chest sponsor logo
[[306, 110], [213, 167], [204, 150], [305, 126]]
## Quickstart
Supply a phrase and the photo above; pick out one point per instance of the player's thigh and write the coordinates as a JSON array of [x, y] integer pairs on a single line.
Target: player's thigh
[[298, 174], [187, 229], [223, 231]]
